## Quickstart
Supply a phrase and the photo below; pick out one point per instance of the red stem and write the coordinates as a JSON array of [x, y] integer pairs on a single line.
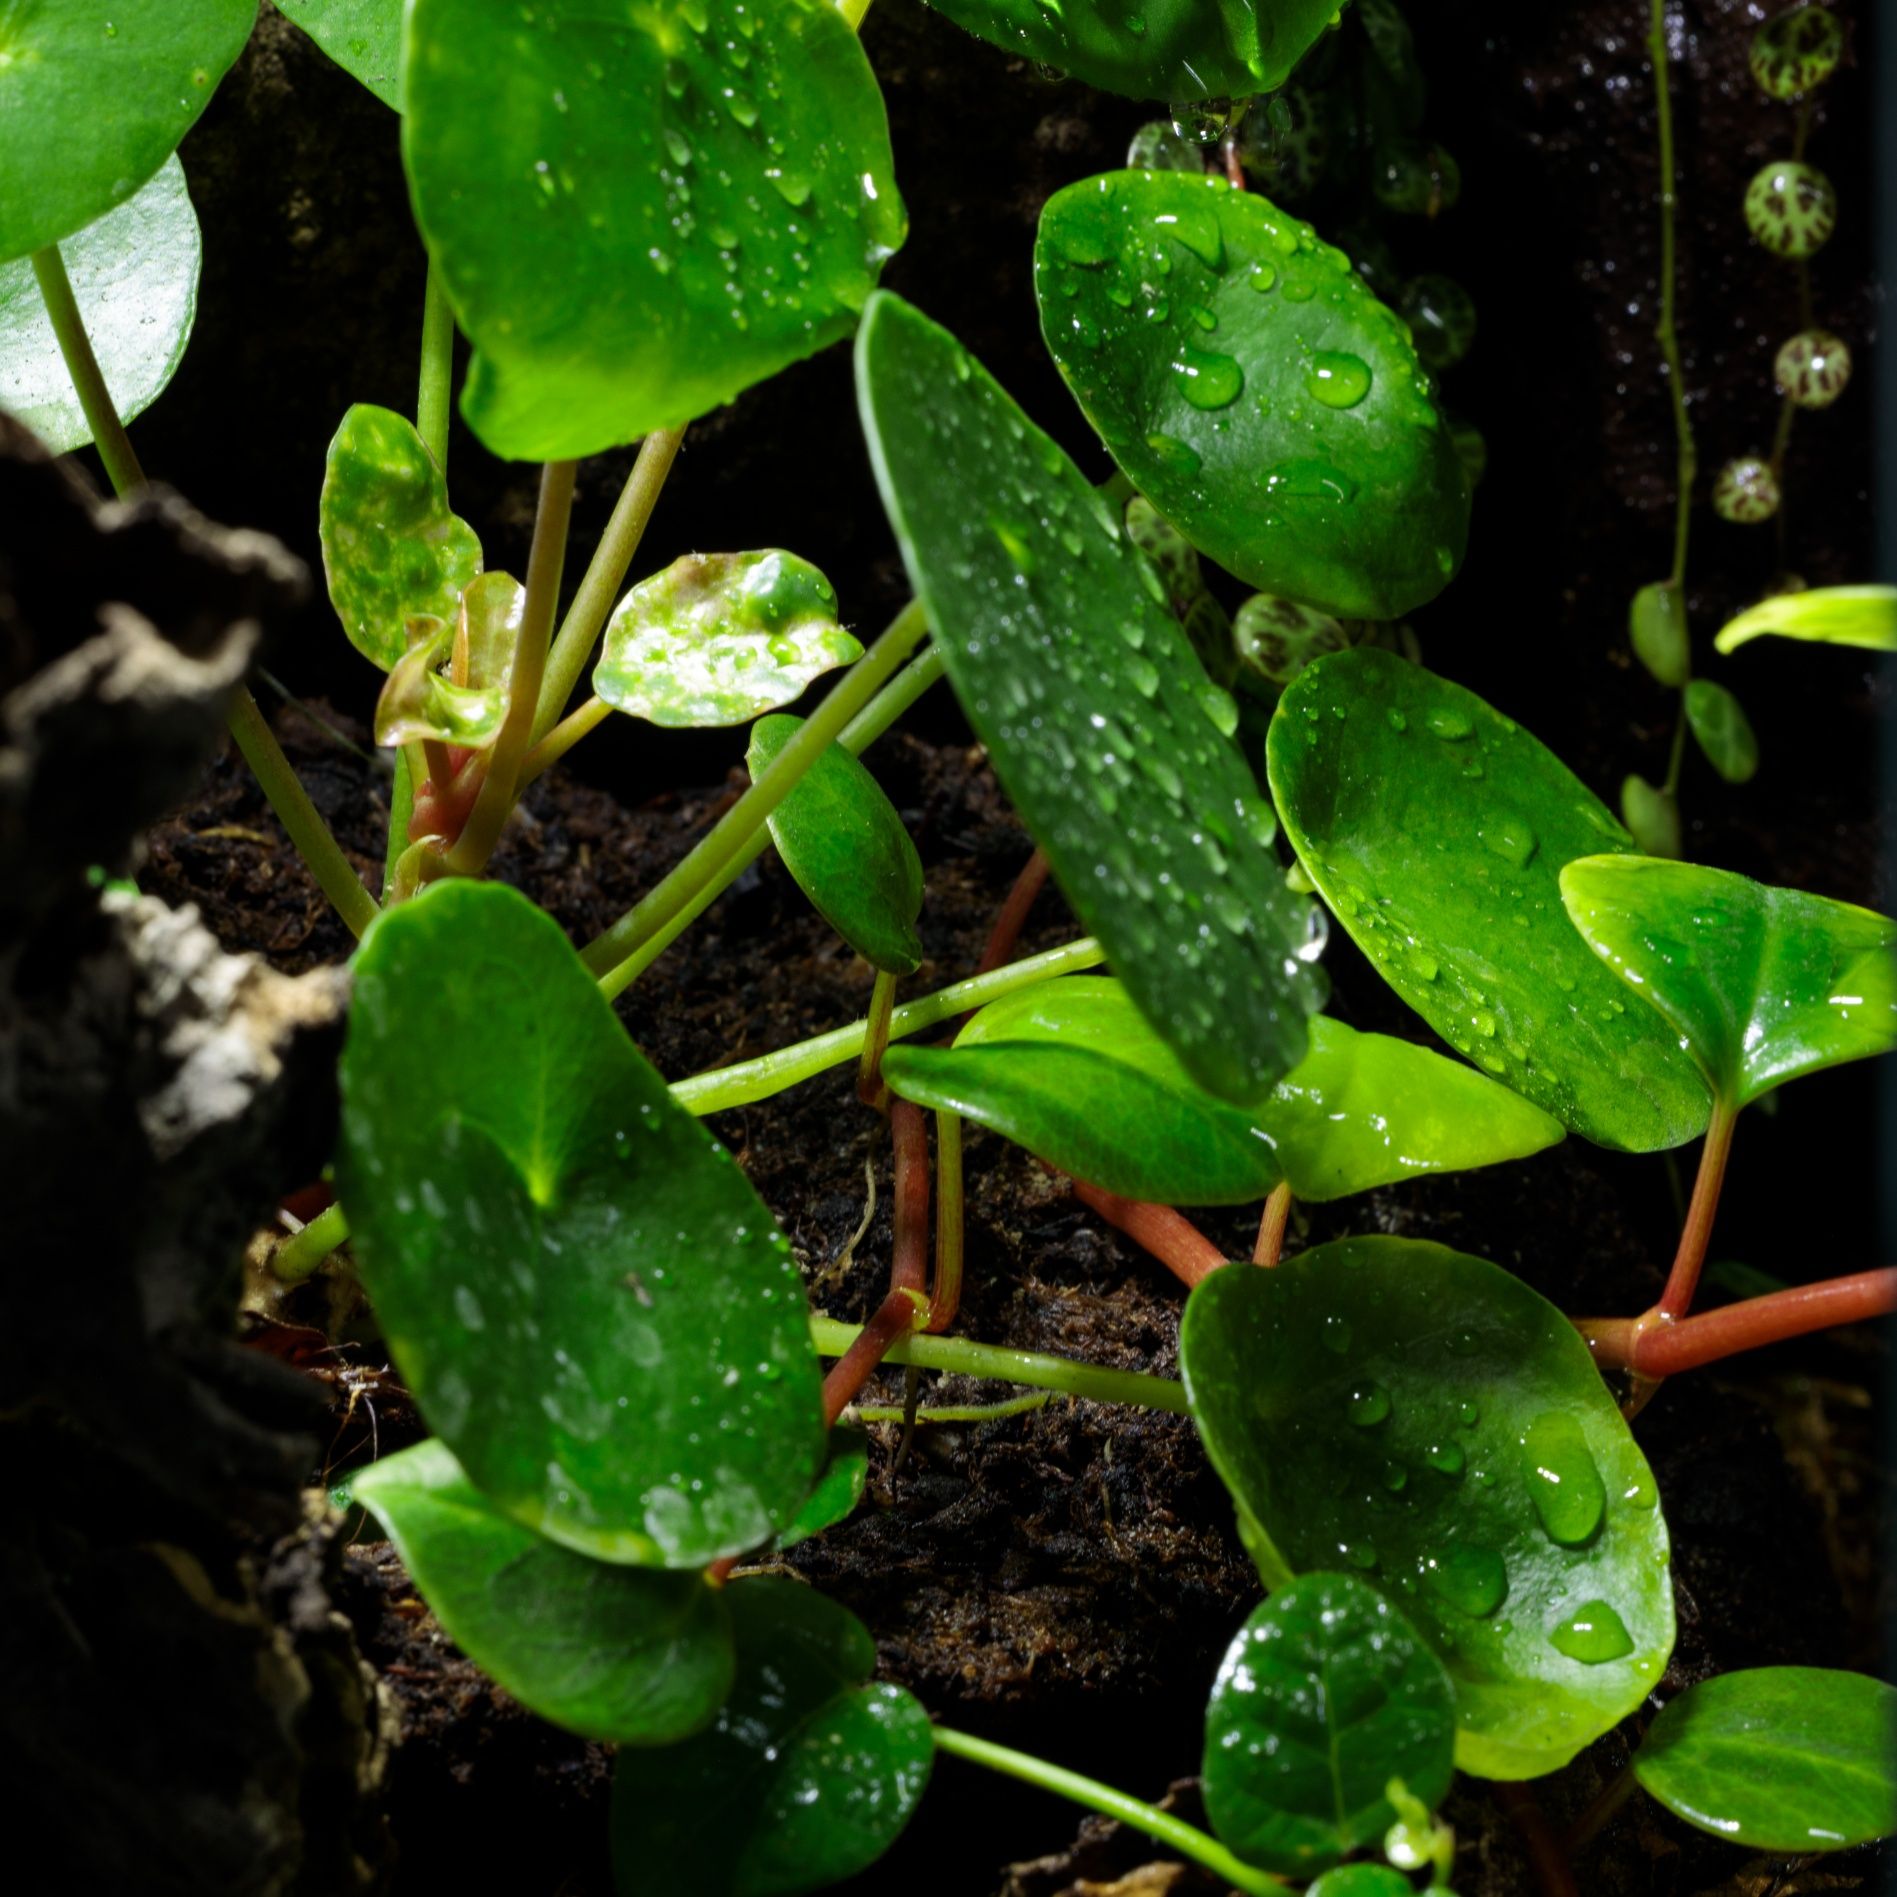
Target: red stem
[[1550, 1862], [1663, 1350], [1014, 914], [1683, 1279], [1277, 1214], [1175, 1241], [945, 1295], [900, 1313], [909, 1252]]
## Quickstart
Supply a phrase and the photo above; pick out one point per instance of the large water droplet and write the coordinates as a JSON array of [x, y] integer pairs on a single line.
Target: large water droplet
[[1336, 1334], [1562, 1479], [1367, 1405], [1196, 226], [1452, 726], [1592, 1634], [1509, 838], [1207, 378], [1179, 456], [1339, 379], [1471, 1579]]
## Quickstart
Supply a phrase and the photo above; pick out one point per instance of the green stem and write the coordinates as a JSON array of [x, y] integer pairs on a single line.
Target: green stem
[[434, 400], [1188, 1840], [869, 1075], [891, 702], [949, 1412], [1665, 331], [401, 809], [88, 381], [1677, 757], [299, 1255], [562, 738]]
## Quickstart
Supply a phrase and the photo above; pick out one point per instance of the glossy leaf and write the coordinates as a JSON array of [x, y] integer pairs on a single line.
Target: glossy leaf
[[1760, 984], [467, 704], [639, 1656], [1362, 1880], [593, 1309], [1424, 1418], [1247, 380], [1155, 49], [94, 97], [363, 37], [806, 1775], [1830, 615], [393, 549], [841, 838], [718, 638], [134, 276], [1780, 1758], [1326, 1695], [1100, 721], [1436, 830], [640, 212], [1722, 730], [839, 1488]]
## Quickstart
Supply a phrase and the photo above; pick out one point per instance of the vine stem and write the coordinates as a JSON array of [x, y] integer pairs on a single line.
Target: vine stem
[[1188, 1840], [1169, 1236], [1666, 331], [548, 751], [869, 1075], [1271, 1223], [1014, 912], [300, 1254], [949, 1412], [434, 398], [945, 1293], [88, 380], [1683, 1280]]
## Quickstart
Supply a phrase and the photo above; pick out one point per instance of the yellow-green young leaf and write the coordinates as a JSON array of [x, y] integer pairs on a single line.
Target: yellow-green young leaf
[[468, 704], [1760, 984], [1722, 730], [640, 211], [363, 37], [718, 638], [839, 1488], [1830, 615]]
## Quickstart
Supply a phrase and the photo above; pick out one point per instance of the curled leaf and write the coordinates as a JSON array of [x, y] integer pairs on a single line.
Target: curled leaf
[[1828, 615], [467, 704]]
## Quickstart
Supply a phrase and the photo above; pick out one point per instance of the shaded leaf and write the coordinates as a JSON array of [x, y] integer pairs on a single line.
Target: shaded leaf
[[1652, 816], [363, 37], [1277, 639], [1831, 615], [1362, 1880], [1723, 730], [839, 1488], [1656, 624]]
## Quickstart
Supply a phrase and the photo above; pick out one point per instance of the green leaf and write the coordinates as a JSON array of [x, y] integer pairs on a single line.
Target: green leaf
[[135, 278], [1363, 1880], [1656, 624], [393, 549], [363, 37], [1101, 723], [635, 1655], [641, 211], [839, 1488], [718, 638], [1780, 1758], [1759, 984], [806, 1776], [1423, 1417], [469, 705], [1326, 1695], [1246, 379], [1277, 638], [593, 1309], [1436, 830], [841, 838], [1831, 615], [1071, 1071], [94, 97], [1723, 730], [1155, 49], [1652, 816]]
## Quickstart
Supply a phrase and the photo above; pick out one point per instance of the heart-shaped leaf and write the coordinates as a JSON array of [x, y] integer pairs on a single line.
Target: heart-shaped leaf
[[1831, 615], [1391, 1406], [841, 838], [393, 549], [1436, 829], [1326, 1695], [1722, 729], [1101, 723], [718, 638], [1155, 49], [593, 1309], [363, 37], [94, 96], [1247, 380], [641, 211], [1780, 1758], [1759, 984], [134, 275], [839, 1488], [806, 1776], [639, 1656]]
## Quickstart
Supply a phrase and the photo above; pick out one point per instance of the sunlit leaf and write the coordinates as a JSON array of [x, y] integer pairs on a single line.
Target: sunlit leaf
[[363, 37], [1830, 615], [1723, 731]]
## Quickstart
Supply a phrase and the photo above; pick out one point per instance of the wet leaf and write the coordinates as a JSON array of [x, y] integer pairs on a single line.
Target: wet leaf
[[1723, 731], [1779, 1758], [393, 549], [842, 840], [639, 1656], [95, 96], [1436, 830], [1247, 380], [1759, 984], [1326, 1695], [639, 213], [363, 37], [1100, 721], [718, 638], [806, 1776], [468, 704], [593, 1309], [134, 275], [1831, 615], [839, 1488], [1391, 1407]]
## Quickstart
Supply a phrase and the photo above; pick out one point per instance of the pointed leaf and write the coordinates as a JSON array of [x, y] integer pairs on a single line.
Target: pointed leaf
[[1427, 1419], [1101, 723], [841, 838], [1760, 984], [1831, 615], [839, 1488], [1248, 381], [363, 37], [1436, 830], [641, 211], [593, 1309], [1722, 730], [639, 1656]]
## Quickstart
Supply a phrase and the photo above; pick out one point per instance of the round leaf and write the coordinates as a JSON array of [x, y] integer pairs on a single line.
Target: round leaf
[[1326, 1695], [1831, 615], [635, 1655], [1760, 984], [719, 637], [1101, 723], [641, 211], [1423, 1417], [806, 1776], [1246, 379], [1781, 1758], [95, 96], [1723, 730], [841, 839], [1436, 829], [135, 278], [363, 37], [1656, 624], [592, 1307]]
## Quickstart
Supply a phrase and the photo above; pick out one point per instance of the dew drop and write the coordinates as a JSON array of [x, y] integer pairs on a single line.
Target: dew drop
[[1339, 379], [1208, 379], [1367, 1405], [1509, 838], [1470, 1579], [1562, 1479], [1592, 1634], [1446, 1458], [1336, 1334], [1451, 726], [1178, 456]]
